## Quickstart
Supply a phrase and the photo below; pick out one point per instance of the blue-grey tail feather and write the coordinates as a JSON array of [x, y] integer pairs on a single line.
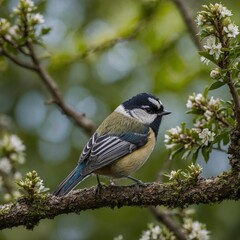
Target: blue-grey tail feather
[[71, 181]]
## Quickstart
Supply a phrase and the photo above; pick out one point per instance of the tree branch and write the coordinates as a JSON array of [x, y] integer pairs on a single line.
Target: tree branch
[[79, 118], [86, 124], [17, 61], [235, 97], [188, 19], [147, 14], [169, 223], [176, 194]]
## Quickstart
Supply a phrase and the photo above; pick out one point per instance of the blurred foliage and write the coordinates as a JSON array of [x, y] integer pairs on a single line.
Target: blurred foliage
[[161, 59]]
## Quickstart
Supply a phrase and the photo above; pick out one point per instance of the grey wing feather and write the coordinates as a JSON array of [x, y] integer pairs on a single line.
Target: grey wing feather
[[106, 150], [103, 150], [88, 147]]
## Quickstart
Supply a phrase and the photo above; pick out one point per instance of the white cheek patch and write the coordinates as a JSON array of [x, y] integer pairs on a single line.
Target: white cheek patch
[[120, 109], [142, 116], [155, 102]]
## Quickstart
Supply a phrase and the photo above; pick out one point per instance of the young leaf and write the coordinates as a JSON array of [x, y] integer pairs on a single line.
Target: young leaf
[[216, 85], [45, 30], [195, 155], [205, 153]]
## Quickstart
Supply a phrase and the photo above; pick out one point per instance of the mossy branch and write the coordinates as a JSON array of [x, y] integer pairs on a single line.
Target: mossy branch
[[174, 194]]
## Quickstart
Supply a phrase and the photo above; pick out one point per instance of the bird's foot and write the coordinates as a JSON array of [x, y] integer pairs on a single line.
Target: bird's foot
[[99, 187], [139, 182]]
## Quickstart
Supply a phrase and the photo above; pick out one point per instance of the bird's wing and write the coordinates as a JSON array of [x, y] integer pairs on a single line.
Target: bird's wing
[[103, 150]]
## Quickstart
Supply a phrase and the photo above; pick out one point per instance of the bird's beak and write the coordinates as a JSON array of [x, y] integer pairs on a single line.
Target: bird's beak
[[164, 113]]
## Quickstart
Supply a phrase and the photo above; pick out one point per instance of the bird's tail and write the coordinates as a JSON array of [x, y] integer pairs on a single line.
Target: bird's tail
[[71, 181]]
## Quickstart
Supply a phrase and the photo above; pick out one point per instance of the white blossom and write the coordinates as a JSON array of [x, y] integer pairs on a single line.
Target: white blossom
[[40, 186], [13, 30], [203, 234], [155, 232], [200, 123], [16, 10], [214, 102], [231, 30], [197, 230], [37, 18], [204, 60], [206, 136], [200, 20], [145, 235], [189, 104], [119, 237], [175, 131], [215, 73], [213, 47], [167, 138], [5, 165], [224, 12], [17, 176], [208, 114], [199, 97], [28, 5], [16, 143], [172, 174], [4, 25]]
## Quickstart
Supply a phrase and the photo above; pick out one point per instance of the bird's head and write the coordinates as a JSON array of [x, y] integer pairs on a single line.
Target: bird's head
[[143, 107]]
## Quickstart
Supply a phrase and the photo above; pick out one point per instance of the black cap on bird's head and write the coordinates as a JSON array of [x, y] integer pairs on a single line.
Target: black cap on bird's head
[[146, 101], [147, 109]]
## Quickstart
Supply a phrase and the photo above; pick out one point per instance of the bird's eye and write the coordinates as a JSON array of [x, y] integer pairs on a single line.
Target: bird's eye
[[148, 110]]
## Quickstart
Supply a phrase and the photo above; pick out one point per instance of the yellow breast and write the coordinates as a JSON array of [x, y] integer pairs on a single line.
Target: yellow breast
[[129, 164]]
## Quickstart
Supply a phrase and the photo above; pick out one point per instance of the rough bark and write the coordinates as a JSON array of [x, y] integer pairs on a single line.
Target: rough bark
[[175, 194]]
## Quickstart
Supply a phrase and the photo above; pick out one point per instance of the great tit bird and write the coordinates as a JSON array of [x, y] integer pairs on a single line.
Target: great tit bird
[[121, 144]]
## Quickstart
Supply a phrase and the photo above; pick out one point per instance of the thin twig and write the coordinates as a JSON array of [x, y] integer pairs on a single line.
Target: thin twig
[[79, 118], [17, 61], [87, 125], [220, 150], [224, 64], [95, 48], [18, 47], [189, 21], [169, 223], [235, 97]]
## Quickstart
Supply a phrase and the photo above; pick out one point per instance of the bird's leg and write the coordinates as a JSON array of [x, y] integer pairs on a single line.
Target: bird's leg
[[139, 182], [99, 186]]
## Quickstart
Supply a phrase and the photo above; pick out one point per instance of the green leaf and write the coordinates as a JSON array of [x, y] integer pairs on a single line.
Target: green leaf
[[205, 93], [195, 155], [205, 153], [217, 85], [195, 112], [45, 30], [226, 138], [186, 154], [176, 151], [183, 126]]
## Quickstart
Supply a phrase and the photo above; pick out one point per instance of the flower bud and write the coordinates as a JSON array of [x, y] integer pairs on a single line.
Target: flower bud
[[215, 73]]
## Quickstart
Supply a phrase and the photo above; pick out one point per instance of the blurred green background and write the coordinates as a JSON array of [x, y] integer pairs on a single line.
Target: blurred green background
[[161, 59]]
